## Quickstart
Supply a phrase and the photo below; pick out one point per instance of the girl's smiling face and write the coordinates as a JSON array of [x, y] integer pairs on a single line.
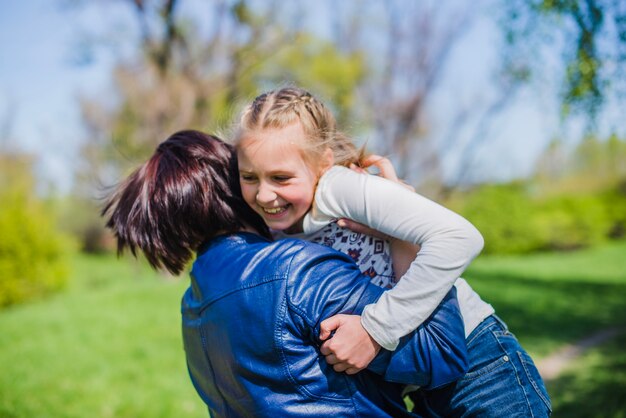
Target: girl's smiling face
[[275, 179]]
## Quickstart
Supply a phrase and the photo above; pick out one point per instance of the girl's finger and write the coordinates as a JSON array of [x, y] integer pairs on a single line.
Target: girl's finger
[[356, 168], [384, 166]]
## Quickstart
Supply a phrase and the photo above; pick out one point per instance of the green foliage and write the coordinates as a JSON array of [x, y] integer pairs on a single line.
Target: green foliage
[[615, 204], [80, 218], [576, 200], [503, 214], [568, 222], [593, 57], [513, 221], [32, 251]]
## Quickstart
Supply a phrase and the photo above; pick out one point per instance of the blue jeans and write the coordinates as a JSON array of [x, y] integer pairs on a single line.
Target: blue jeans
[[502, 380]]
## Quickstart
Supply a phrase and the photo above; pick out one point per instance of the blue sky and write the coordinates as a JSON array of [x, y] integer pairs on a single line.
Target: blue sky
[[41, 79], [43, 72]]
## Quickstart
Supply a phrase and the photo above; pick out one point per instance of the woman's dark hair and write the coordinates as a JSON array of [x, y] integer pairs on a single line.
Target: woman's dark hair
[[185, 194]]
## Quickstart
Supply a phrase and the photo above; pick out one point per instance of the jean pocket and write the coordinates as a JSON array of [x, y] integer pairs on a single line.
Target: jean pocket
[[534, 378], [487, 353], [486, 369]]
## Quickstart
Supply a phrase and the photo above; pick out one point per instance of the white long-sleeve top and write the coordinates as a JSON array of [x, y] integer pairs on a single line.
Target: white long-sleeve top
[[448, 244]]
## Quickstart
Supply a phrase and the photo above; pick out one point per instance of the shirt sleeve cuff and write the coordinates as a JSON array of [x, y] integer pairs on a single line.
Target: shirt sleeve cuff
[[376, 330]]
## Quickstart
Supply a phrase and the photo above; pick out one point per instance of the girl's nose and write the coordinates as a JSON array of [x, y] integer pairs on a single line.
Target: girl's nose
[[265, 194]]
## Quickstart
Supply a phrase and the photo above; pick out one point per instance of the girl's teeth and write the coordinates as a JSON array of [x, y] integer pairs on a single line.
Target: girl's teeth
[[273, 211]]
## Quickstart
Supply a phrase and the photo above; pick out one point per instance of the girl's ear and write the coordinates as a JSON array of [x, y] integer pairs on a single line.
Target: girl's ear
[[328, 160]]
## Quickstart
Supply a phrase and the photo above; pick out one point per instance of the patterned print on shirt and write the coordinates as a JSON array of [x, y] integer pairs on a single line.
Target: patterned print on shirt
[[372, 255]]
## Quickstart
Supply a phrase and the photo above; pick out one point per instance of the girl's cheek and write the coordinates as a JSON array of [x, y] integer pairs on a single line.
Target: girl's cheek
[[248, 193]]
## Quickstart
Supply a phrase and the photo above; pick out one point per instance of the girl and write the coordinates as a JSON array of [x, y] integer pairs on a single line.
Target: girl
[[184, 203], [292, 171]]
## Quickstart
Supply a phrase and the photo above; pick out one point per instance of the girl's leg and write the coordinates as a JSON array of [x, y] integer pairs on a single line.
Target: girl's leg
[[502, 380]]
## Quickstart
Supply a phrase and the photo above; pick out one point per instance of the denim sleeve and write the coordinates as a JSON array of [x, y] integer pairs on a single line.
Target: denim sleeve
[[323, 283]]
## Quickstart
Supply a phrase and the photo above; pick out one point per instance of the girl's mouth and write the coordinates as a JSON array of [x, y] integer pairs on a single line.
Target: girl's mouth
[[274, 211]]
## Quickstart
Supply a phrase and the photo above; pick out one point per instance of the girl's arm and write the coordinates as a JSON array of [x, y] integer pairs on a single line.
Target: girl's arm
[[402, 252], [402, 255], [448, 244]]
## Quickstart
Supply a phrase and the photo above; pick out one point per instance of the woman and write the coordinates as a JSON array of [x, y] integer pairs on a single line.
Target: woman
[[251, 315]]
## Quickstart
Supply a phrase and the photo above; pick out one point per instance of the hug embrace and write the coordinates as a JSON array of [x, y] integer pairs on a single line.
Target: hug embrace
[[318, 288]]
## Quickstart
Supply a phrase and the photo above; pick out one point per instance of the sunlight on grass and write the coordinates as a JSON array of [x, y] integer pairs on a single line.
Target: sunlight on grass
[[595, 385], [604, 264], [552, 299], [110, 344]]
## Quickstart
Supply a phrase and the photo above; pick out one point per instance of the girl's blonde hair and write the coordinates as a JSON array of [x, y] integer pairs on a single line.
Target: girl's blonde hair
[[281, 108]]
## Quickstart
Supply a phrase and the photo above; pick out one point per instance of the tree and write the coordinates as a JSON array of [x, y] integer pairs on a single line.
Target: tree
[[376, 62], [184, 79], [407, 45], [593, 66]]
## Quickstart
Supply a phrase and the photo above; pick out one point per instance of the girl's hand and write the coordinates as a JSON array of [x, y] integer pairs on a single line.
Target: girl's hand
[[384, 166], [351, 348], [385, 169]]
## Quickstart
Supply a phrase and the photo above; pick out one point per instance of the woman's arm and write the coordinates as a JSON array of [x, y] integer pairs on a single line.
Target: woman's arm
[[431, 356], [448, 244]]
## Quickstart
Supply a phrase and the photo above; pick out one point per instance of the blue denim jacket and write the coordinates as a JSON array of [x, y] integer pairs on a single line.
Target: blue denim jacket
[[251, 321]]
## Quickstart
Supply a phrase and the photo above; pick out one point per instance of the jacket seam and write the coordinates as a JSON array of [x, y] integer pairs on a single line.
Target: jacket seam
[[301, 388], [264, 280]]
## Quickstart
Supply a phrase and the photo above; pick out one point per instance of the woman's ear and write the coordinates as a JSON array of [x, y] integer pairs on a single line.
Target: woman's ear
[[328, 160]]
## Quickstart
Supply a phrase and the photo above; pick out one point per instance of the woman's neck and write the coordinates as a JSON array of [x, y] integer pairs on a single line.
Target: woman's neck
[[248, 228]]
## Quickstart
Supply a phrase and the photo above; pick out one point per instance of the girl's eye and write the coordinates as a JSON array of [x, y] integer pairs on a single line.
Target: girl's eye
[[281, 179], [247, 177]]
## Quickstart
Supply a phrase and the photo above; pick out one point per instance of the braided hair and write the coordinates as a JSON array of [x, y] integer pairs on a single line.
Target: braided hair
[[280, 108]]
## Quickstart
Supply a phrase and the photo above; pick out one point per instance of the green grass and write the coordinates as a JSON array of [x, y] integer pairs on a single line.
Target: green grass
[[595, 386], [110, 345], [552, 299]]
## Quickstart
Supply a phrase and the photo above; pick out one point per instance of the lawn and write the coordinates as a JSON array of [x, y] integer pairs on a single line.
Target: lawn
[[553, 299], [110, 346]]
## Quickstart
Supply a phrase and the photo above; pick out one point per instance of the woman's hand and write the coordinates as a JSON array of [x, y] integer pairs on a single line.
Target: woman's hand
[[351, 348], [362, 229]]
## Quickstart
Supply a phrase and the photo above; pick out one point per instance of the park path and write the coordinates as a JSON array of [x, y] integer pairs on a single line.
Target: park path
[[551, 367]]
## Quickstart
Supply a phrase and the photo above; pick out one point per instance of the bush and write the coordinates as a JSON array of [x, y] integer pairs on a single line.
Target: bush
[[615, 203], [503, 215], [513, 222], [32, 252], [80, 217], [571, 222]]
